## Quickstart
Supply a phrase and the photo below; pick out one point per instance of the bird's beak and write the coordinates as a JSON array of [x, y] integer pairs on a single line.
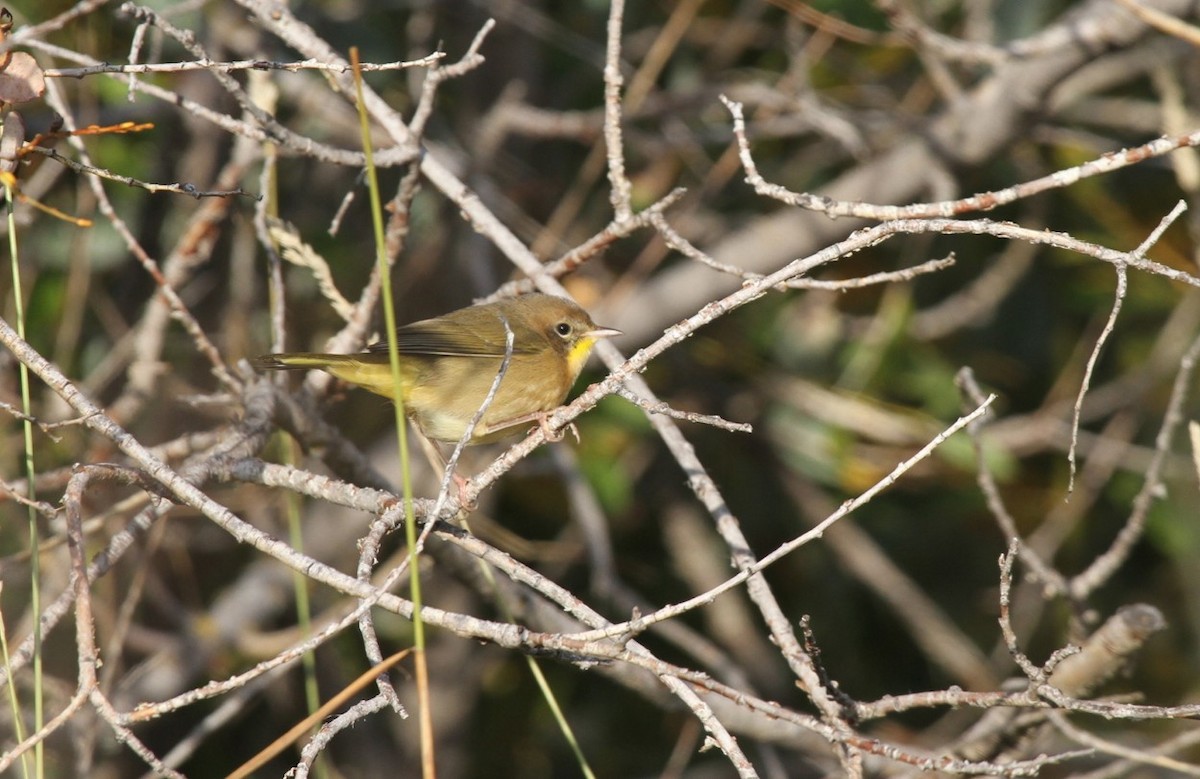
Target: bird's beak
[[605, 332]]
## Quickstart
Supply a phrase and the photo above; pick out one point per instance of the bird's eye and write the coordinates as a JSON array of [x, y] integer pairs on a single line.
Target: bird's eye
[[563, 329]]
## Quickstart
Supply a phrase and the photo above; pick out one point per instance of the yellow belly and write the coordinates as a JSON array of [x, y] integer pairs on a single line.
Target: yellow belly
[[441, 395]]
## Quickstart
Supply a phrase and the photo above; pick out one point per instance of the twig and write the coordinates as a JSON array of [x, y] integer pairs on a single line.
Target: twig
[[592, 247], [1164, 22], [1050, 578], [470, 60], [177, 189], [133, 68], [1107, 746], [288, 141], [293, 249], [170, 300], [327, 708], [871, 279], [144, 712], [1109, 325], [1031, 671], [687, 416], [40, 506], [985, 201], [620, 192], [87, 654], [1106, 564], [1119, 768], [1194, 438], [346, 719], [640, 623]]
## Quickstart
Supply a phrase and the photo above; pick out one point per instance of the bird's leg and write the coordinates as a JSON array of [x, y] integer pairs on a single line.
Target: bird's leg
[[438, 461], [465, 503], [556, 435], [542, 418]]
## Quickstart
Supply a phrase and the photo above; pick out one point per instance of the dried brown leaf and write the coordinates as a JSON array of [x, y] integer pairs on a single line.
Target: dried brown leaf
[[21, 79]]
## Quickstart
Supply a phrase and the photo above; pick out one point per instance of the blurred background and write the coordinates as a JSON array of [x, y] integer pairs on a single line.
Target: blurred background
[[859, 100]]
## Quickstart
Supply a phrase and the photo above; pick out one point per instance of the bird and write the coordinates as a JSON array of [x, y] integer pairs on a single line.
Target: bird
[[449, 363]]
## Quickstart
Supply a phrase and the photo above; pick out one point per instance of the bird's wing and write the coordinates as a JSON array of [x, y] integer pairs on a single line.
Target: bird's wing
[[433, 337]]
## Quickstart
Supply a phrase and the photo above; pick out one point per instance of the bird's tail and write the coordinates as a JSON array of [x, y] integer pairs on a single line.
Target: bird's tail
[[369, 371], [298, 360]]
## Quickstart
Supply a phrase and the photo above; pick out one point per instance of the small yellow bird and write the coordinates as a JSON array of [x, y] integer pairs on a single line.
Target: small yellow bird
[[448, 365]]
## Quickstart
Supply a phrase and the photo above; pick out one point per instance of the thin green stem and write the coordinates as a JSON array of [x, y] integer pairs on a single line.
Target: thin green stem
[[13, 702], [312, 694], [410, 520], [540, 678], [275, 301], [35, 557]]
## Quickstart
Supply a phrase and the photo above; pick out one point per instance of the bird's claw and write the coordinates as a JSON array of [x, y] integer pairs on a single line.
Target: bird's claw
[[553, 435]]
